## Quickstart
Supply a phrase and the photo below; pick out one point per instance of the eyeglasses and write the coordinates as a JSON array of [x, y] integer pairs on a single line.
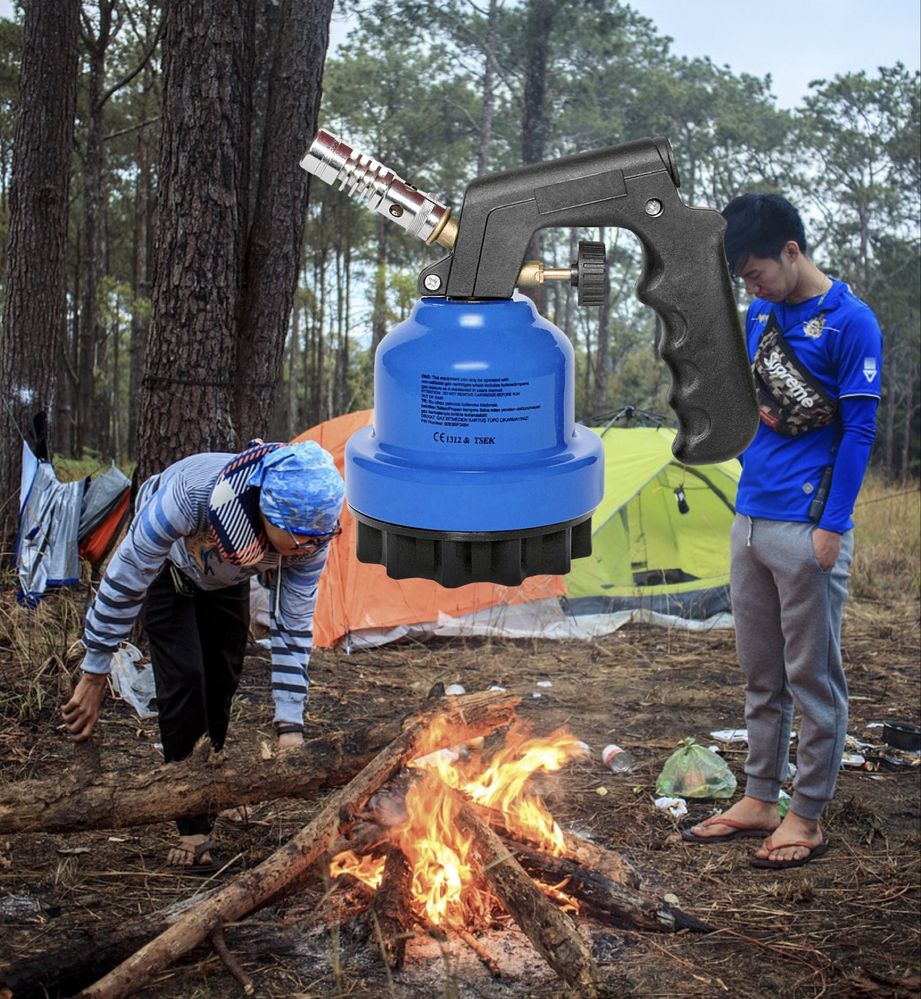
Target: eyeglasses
[[316, 542]]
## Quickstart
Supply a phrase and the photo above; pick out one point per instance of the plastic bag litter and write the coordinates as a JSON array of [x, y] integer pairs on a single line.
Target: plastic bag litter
[[693, 771], [133, 681], [676, 807]]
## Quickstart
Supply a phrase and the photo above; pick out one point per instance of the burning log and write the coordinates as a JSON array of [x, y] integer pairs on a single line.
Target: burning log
[[611, 902], [474, 715], [576, 849], [390, 914], [550, 931]]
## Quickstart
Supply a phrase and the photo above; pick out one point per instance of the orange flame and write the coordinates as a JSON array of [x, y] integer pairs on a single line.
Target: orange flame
[[444, 878]]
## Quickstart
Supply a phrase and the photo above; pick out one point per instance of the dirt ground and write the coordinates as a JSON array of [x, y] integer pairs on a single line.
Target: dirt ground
[[847, 925]]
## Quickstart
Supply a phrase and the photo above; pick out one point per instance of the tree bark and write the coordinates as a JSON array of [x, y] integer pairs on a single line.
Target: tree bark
[[477, 714], [276, 233], [190, 367], [82, 800], [35, 301]]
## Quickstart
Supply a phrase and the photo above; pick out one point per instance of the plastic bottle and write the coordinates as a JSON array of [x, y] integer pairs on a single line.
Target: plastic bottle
[[617, 760]]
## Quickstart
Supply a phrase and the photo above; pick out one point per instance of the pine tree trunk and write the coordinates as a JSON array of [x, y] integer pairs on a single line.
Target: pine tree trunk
[[92, 406], [141, 255], [191, 362], [35, 295], [534, 123], [277, 226]]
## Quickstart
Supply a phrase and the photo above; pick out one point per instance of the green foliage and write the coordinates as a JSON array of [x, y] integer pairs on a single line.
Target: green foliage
[[434, 89]]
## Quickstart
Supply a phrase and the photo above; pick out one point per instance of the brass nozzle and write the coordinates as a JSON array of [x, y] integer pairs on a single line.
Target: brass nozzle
[[534, 272]]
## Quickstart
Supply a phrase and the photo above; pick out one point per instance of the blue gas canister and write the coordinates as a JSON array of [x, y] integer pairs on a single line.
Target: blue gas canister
[[474, 468]]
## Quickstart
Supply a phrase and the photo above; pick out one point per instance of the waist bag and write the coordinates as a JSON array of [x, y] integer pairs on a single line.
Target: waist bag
[[790, 401]]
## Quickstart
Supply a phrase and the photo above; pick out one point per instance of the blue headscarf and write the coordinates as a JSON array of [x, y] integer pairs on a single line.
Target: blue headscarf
[[300, 489]]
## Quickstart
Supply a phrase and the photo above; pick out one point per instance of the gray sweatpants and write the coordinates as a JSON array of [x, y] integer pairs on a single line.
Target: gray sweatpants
[[787, 613]]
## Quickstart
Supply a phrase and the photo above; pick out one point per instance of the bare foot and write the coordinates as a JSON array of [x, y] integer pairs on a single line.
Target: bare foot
[[189, 853], [793, 829], [747, 811]]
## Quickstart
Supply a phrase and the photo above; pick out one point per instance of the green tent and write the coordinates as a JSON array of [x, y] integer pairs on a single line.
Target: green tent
[[660, 537]]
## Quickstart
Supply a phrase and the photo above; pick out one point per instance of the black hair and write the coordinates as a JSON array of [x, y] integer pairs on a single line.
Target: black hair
[[760, 225]]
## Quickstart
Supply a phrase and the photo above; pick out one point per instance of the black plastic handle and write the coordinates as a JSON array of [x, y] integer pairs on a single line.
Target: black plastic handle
[[685, 278]]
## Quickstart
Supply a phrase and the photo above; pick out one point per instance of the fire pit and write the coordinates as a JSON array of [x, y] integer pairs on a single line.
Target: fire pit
[[442, 829]]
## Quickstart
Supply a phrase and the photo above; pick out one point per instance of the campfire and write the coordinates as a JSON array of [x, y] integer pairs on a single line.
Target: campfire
[[441, 831], [462, 834], [446, 890]]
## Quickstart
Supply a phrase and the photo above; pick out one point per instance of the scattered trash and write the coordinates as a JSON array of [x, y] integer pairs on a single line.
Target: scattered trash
[[133, 681], [891, 759], [536, 694], [671, 899], [783, 803], [617, 760], [715, 749], [738, 735], [496, 687], [16, 908], [852, 760], [694, 772], [731, 735], [544, 683], [676, 807], [73, 851], [454, 690], [585, 747], [601, 791], [902, 735]]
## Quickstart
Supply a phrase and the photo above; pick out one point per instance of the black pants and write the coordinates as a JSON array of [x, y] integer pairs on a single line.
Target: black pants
[[197, 643]]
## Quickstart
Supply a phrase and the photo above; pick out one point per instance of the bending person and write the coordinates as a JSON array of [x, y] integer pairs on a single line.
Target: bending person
[[201, 529]]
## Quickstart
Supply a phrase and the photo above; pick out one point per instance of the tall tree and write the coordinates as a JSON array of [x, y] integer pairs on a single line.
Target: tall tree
[[276, 230], [190, 365], [231, 216], [35, 304]]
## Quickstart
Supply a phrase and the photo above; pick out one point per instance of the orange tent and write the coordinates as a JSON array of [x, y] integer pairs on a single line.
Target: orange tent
[[355, 596]]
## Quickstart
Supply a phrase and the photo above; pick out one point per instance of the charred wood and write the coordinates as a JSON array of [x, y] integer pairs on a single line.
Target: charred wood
[[551, 931], [390, 916], [604, 898]]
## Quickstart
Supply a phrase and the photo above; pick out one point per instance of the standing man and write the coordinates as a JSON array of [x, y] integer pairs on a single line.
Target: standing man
[[201, 529], [816, 353]]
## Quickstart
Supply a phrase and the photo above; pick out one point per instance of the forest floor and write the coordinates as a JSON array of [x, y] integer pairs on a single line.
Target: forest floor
[[845, 925]]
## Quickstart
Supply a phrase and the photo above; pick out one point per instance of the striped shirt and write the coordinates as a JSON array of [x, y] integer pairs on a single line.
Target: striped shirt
[[171, 523]]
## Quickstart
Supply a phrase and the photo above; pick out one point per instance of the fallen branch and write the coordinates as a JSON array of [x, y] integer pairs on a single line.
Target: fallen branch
[[551, 931], [87, 798], [476, 714], [611, 902]]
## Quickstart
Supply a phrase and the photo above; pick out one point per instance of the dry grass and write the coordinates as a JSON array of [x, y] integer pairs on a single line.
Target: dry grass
[[845, 927], [887, 562]]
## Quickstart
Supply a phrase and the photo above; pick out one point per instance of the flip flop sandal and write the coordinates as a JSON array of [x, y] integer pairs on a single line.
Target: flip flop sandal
[[197, 867], [740, 831], [781, 865]]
